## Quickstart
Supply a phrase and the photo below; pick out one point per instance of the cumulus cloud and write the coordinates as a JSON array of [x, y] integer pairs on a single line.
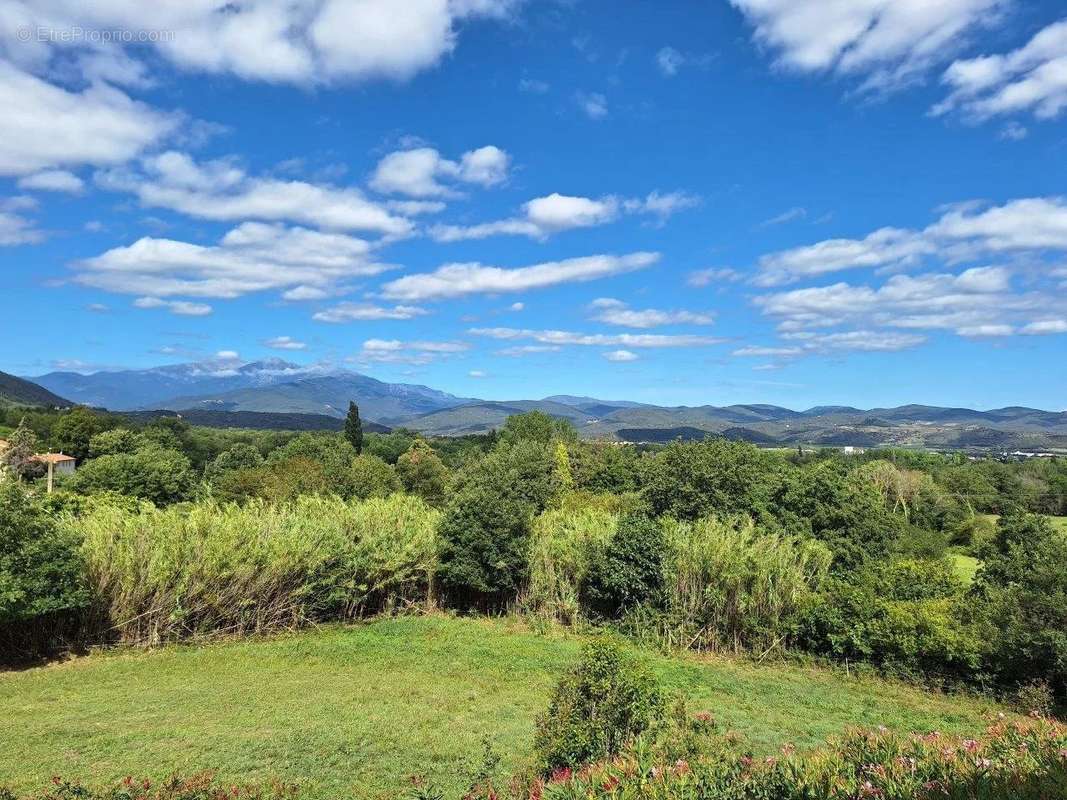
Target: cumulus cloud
[[301, 42], [352, 312], [285, 343], [550, 337], [888, 42], [45, 126], [456, 280], [616, 312], [183, 308], [962, 233], [53, 180], [620, 355], [419, 172], [1031, 79], [551, 214], [220, 190], [416, 353], [252, 257], [980, 301]]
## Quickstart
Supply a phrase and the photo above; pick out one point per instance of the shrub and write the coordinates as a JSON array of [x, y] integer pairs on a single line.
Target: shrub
[[1018, 761], [163, 574], [240, 456], [41, 576], [112, 442], [630, 573], [598, 707]]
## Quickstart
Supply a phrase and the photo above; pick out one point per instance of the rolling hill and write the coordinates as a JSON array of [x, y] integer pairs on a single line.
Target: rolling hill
[[21, 392]]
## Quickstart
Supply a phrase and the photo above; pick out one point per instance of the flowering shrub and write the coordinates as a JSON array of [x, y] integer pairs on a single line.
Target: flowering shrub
[[1021, 761]]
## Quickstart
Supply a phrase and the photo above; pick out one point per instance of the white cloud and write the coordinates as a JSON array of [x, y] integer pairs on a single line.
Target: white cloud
[[183, 308], [791, 215], [1045, 327], [416, 353], [300, 41], [528, 349], [53, 180], [616, 312], [598, 339], [228, 355], [219, 190], [593, 104], [533, 86], [962, 233], [889, 42], [706, 277], [252, 257], [477, 373], [763, 352], [418, 172], [456, 280], [516, 306], [285, 343], [620, 355], [1013, 132], [1032, 78], [15, 228], [669, 61], [413, 208], [351, 312], [554, 213], [44, 126]]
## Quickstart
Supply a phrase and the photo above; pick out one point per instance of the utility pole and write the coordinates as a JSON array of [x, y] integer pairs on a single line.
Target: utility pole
[[51, 466]]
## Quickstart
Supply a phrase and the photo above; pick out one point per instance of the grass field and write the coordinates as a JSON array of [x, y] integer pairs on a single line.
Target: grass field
[[351, 712]]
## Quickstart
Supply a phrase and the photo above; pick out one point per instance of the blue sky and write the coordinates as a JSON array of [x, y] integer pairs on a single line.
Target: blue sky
[[675, 202]]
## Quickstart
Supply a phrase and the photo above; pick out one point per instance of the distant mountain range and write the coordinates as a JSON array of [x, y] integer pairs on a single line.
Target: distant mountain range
[[21, 392], [222, 393]]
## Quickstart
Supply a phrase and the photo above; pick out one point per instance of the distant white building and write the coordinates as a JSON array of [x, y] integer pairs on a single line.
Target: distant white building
[[853, 451], [61, 464]]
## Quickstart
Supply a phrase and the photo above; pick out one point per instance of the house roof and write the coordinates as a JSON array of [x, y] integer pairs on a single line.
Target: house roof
[[55, 458]]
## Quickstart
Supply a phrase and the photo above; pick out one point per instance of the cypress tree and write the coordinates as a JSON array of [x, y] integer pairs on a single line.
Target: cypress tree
[[354, 427]]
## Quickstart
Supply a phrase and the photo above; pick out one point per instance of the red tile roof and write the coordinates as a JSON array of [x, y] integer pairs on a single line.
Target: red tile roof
[[55, 458]]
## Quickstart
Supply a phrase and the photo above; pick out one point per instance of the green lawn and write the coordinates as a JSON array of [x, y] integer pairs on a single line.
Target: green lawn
[[351, 712]]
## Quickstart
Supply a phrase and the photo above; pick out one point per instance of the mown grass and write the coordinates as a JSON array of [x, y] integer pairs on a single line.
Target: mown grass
[[353, 711]]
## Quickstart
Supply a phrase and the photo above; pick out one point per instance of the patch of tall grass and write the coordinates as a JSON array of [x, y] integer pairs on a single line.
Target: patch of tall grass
[[198, 569], [730, 584]]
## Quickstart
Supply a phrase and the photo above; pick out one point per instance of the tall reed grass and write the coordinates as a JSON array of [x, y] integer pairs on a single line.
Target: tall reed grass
[[164, 574]]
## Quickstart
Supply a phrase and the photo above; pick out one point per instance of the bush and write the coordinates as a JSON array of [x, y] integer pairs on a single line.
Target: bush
[[372, 477], [240, 456], [163, 574], [598, 707], [41, 576], [1017, 761], [630, 573]]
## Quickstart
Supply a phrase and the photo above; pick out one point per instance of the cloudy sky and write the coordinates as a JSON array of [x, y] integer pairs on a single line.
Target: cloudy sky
[[682, 202]]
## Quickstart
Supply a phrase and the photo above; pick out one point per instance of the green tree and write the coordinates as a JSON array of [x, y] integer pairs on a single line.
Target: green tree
[[372, 477], [73, 431], [40, 569], [354, 428], [239, 456], [422, 472], [156, 474], [631, 572], [113, 442], [562, 470], [537, 426]]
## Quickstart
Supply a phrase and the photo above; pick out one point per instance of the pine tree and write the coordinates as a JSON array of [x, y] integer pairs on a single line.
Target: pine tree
[[354, 427]]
